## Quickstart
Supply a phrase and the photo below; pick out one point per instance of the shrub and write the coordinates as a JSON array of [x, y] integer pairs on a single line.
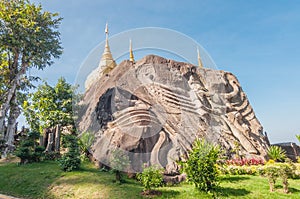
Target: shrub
[[271, 172], [240, 170], [2, 146], [70, 160], [51, 155], [236, 149], [297, 171], [28, 150], [276, 153], [201, 165], [276, 170], [150, 177], [285, 172], [38, 153], [119, 162]]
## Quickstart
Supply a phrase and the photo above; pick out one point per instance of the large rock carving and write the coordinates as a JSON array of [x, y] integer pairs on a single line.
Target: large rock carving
[[155, 108]]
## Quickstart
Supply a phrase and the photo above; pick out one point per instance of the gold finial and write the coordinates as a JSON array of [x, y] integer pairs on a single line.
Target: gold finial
[[106, 35], [131, 57], [106, 28], [199, 59]]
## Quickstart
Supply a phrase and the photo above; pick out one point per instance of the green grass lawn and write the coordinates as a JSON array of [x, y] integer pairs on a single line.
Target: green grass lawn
[[46, 180]]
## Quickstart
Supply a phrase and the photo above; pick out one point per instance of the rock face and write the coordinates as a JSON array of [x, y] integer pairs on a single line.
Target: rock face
[[155, 108], [291, 149]]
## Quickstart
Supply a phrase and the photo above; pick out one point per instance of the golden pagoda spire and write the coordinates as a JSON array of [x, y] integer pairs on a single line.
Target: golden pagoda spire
[[106, 49], [131, 57], [107, 63], [199, 59]]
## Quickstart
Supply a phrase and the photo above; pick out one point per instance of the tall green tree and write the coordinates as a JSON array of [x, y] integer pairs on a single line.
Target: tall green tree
[[29, 38], [50, 106]]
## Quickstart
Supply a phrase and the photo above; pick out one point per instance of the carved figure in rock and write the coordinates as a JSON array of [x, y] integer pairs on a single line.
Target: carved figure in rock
[[155, 108]]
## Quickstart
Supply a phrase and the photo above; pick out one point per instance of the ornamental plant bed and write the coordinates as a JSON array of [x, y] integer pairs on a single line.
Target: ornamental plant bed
[[245, 161]]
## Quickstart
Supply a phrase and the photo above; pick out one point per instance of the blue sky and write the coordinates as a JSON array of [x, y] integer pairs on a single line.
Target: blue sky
[[258, 41]]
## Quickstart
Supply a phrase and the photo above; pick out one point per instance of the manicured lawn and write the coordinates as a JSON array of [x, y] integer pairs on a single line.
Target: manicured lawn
[[46, 180]]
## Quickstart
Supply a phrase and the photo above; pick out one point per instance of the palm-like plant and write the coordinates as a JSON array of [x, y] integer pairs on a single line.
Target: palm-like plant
[[276, 153], [298, 137], [85, 142]]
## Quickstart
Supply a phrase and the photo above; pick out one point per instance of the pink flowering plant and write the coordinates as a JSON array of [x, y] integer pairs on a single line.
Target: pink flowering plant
[[245, 161]]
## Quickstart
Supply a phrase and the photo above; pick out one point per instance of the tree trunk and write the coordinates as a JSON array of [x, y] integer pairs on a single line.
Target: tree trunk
[[2, 123], [118, 176], [285, 185], [45, 138], [5, 107], [50, 142], [41, 140], [8, 99], [57, 138], [272, 184], [12, 124]]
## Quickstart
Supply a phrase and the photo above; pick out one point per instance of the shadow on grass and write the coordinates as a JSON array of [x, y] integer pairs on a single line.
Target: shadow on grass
[[234, 178], [228, 191], [169, 193], [87, 167], [92, 177], [293, 190]]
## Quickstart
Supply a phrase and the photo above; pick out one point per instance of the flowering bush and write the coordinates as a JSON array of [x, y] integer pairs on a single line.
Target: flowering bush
[[245, 161], [270, 161]]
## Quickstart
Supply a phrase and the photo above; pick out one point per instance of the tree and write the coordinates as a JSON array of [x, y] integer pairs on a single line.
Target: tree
[[29, 150], [201, 165], [28, 38], [50, 106], [71, 160], [119, 161]]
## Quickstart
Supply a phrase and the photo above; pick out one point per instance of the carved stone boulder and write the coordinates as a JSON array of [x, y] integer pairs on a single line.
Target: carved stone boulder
[[155, 108]]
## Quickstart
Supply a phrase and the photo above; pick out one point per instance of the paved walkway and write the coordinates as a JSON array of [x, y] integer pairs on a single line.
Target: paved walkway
[[7, 197]]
